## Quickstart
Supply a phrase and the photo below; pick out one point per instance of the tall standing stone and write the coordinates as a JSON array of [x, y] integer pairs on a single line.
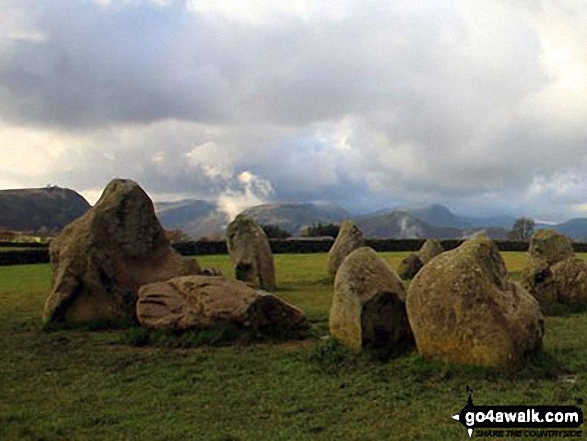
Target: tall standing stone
[[100, 260], [463, 310], [349, 239], [368, 307], [250, 253]]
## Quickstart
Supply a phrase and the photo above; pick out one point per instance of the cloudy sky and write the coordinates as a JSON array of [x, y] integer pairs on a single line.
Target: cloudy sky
[[477, 104]]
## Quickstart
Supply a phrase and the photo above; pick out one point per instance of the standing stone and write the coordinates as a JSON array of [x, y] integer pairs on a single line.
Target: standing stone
[[349, 239], [368, 307], [197, 302], [547, 248], [250, 253], [570, 280], [430, 249], [100, 260], [463, 310], [410, 266]]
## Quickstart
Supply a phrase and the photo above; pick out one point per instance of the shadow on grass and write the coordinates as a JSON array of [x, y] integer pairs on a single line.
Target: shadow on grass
[[218, 335], [91, 325], [563, 309], [332, 357]]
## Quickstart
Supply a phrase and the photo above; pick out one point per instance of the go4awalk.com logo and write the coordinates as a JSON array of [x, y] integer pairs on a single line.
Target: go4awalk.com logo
[[520, 421]]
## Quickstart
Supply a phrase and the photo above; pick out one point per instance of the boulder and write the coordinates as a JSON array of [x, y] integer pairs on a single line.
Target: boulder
[[430, 249], [368, 307], [410, 266], [196, 302], [349, 239], [550, 246], [547, 248], [250, 253], [463, 310], [569, 278], [100, 260]]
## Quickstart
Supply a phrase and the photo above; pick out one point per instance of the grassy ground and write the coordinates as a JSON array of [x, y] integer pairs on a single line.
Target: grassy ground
[[93, 385]]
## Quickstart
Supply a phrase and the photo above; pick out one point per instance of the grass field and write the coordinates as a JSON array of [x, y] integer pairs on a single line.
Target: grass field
[[94, 385]]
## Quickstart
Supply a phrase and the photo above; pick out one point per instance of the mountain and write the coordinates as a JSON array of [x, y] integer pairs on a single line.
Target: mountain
[[431, 222], [195, 217], [293, 217], [32, 209], [403, 225], [439, 216], [574, 228]]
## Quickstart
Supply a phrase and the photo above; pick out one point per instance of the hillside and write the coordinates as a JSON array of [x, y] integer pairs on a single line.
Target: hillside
[[293, 217], [404, 225], [195, 217], [439, 216], [34, 208], [574, 228], [435, 221]]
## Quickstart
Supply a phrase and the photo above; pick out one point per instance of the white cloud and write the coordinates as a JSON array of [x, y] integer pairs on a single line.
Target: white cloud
[[261, 12], [249, 191]]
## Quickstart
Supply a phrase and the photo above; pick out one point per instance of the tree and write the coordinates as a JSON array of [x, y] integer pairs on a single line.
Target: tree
[[523, 229], [177, 236], [275, 232]]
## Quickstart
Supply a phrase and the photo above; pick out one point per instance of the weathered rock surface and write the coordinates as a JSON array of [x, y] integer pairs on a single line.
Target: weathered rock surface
[[100, 260], [349, 239], [463, 310], [250, 253], [430, 249], [569, 278], [368, 307], [409, 267], [547, 249], [550, 246], [202, 301]]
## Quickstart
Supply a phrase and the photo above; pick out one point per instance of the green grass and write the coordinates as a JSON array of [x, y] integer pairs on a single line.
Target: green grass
[[128, 384]]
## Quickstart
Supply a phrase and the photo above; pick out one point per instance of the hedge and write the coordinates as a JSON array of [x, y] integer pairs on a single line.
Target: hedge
[[39, 252], [24, 257]]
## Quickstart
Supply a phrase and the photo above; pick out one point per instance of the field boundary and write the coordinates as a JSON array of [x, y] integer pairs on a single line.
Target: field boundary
[[39, 253]]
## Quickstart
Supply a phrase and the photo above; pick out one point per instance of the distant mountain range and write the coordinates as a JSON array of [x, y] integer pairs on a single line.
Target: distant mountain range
[[198, 218], [54, 207], [435, 221], [33, 209]]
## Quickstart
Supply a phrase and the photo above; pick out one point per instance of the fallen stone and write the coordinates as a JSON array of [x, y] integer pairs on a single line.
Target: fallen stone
[[198, 302]]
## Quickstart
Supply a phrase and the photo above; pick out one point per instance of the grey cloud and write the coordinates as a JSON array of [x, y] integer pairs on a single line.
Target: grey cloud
[[440, 99]]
